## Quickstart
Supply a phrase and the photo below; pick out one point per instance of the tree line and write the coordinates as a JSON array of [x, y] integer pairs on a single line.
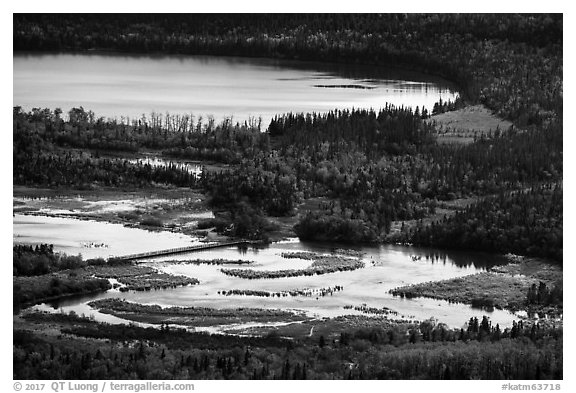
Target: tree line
[[176, 135], [417, 351], [41, 259], [376, 168], [511, 63]]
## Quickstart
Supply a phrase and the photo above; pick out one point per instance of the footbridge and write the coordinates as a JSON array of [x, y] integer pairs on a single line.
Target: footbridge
[[182, 250]]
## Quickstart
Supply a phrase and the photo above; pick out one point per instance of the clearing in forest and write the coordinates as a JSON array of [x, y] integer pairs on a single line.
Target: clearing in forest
[[462, 125]]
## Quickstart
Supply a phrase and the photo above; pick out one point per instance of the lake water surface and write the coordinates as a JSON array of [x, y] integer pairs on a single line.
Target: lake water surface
[[114, 85]]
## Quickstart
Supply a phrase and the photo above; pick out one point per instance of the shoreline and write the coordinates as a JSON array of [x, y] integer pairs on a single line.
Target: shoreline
[[209, 235], [112, 217], [503, 287]]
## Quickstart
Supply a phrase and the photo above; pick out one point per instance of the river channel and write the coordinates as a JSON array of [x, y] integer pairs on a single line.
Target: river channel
[[386, 267]]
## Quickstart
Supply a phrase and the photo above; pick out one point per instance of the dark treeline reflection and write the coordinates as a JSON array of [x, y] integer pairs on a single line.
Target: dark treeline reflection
[[479, 260], [463, 259]]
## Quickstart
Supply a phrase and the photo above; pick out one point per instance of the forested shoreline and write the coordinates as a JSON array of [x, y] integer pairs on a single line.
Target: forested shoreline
[[351, 176], [376, 168], [487, 55], [409, 351]]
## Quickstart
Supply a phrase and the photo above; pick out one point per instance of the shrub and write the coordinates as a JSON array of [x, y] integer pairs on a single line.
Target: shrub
[[152, 222]]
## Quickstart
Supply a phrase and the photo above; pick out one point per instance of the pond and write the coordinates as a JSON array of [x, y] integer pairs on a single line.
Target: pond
[[93, 239], [386, 267], [114, 85]]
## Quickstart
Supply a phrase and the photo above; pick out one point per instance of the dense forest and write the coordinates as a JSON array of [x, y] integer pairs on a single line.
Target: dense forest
[[350, 176], [40, 259], [523, 222], [375, 168], [418, 351]]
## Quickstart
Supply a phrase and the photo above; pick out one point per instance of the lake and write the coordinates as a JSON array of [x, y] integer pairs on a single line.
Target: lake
[[114, 85]]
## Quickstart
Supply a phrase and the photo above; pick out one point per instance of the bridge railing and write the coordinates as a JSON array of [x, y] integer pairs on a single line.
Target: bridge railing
[[179, 250]]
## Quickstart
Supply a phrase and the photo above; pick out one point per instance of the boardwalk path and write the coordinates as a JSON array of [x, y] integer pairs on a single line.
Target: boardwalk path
[[181, 250]]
